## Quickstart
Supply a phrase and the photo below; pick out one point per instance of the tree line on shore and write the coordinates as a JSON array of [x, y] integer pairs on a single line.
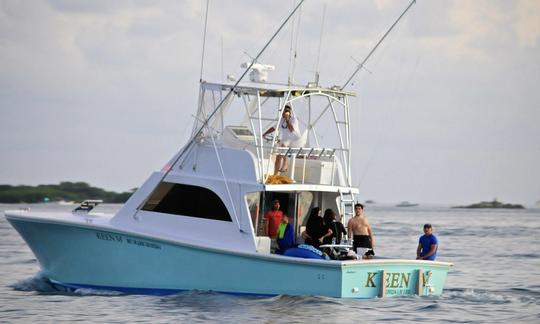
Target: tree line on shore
[[65, 191]]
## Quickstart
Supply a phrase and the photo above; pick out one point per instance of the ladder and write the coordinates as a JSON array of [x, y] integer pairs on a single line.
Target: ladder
[[346, 204]]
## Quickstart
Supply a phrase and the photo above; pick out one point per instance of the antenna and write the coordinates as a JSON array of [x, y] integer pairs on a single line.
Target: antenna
[[290, 51], [320, 45], [251, 57], [222, 73], [295, 47], [360, 65], [231, 91], [204, 38]]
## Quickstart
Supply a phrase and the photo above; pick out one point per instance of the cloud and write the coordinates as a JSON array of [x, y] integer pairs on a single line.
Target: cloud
[[95, 6], [474, 23], [528, 22], [121, 76], [475, 30]]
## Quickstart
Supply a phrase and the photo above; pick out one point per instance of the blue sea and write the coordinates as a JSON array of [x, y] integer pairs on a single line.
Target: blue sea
[[495, 279]]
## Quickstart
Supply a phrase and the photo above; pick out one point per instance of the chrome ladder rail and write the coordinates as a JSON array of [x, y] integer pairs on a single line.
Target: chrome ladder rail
[[346, 204]]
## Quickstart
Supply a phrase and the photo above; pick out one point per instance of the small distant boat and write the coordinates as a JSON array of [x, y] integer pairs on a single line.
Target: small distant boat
[[369, 201], [65, 203], [406, 204]]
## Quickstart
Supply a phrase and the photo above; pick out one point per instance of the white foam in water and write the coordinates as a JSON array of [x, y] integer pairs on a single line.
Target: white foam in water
[[41, 284], [36, 283], [96, 292]]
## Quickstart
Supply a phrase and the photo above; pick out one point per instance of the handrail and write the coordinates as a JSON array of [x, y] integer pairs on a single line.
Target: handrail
[[303, 148], [310, 152]]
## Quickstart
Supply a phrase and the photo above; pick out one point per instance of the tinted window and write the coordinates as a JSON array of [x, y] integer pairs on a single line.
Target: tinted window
[[186, 200]]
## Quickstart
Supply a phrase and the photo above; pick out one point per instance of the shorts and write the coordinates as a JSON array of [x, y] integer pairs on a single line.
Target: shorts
[[363, 241]]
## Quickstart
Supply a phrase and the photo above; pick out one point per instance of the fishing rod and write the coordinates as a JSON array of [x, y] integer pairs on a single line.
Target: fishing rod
[[361, 65], [231, 91], [218, 107]]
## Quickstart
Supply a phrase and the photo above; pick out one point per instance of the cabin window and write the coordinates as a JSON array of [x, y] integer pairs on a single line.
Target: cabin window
[[186, 200]]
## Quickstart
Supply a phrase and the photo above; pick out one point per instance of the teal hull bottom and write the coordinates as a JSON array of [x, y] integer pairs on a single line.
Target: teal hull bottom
[[87, 257]]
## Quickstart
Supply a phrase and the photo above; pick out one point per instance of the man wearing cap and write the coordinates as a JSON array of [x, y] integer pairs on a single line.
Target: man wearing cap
[[428, 244]]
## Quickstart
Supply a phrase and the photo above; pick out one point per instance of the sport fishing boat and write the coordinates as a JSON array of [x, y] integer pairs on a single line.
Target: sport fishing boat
[[198, 223]]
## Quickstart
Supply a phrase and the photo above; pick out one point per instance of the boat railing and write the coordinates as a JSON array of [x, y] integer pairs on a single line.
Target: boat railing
[[303, 154], [306, 152], [255, 125]]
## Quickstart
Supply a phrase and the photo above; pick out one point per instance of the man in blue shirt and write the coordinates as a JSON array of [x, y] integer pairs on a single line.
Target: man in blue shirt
[[427, 247]]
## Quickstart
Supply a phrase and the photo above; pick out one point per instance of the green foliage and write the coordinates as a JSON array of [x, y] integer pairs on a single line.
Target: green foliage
[[67, 191]]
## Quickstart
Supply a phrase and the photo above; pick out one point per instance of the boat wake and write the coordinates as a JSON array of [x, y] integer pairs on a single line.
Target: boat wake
[[43, 285], [286, 300], [493, 297]]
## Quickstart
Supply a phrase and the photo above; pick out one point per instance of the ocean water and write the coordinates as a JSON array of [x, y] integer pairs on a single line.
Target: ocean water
[[495, 279]]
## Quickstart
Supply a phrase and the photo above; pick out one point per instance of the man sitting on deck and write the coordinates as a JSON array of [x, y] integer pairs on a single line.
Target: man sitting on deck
[[285, 235], [427, 246]]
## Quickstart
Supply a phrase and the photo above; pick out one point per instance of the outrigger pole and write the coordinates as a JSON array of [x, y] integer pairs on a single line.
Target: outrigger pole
[[231, 91], [361, 65]]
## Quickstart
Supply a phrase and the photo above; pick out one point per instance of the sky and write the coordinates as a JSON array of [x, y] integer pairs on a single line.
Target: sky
[[447, 110]]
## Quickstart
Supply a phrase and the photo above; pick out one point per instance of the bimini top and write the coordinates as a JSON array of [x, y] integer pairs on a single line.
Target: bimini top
[[275, 90]]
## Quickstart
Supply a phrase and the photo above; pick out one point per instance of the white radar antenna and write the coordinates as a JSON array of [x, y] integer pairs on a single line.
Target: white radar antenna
[[258, 72]]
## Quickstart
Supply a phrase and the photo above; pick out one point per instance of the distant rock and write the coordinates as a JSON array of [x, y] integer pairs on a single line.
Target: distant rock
[[492, 204]]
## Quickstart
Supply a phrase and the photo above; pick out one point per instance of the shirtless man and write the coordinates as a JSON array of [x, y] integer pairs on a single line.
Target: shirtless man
[[360, 231]]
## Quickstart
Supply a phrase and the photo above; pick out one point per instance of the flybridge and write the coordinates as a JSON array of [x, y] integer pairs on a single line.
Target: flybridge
[[252, 119]]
